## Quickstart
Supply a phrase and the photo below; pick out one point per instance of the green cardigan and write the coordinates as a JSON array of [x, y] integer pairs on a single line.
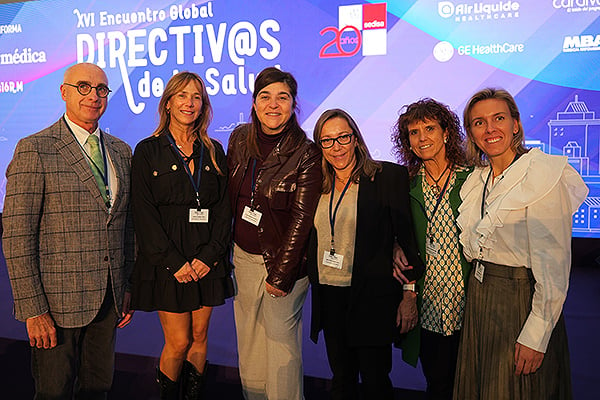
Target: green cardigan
[[411, 342]]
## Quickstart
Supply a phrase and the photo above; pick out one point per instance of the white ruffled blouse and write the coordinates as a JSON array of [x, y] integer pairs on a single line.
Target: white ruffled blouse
[[527, 222]]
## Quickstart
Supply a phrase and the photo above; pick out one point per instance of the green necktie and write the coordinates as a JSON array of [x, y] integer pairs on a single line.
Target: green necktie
[[97, 164]]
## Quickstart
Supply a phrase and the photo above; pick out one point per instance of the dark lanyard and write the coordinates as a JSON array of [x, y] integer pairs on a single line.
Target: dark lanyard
[[333, 215], [253, 184], [104, 175], [188, 171], [487, 181], [439, 199]]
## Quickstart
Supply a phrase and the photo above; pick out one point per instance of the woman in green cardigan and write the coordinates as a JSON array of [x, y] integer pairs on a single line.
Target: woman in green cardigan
[[428, 140]]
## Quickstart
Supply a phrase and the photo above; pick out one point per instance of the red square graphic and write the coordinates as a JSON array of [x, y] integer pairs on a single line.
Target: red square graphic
[[375, 16]]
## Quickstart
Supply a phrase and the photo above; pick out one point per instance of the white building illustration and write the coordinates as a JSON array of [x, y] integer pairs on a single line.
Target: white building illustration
[[575, 133]]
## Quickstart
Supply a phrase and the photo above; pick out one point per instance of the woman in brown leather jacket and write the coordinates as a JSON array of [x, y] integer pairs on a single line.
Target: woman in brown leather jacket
[[275, 184]]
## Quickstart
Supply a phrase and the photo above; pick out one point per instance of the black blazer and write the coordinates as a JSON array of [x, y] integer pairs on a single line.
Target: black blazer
[[383, 216]]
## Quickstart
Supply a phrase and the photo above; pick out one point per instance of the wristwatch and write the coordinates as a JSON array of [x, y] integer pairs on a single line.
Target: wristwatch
[[410, 286]]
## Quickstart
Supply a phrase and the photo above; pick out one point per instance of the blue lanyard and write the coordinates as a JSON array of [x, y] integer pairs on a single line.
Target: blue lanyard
[[195, 183], [332, 215]]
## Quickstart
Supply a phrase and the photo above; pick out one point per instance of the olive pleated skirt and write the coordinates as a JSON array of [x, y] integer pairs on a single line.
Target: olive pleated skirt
[[494, 316]]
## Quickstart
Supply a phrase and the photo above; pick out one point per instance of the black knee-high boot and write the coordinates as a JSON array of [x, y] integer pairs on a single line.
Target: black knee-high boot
[[193, 381], [169, 390]]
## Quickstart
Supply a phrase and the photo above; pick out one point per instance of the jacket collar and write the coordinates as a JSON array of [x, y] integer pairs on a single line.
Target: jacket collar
[[70, 149]]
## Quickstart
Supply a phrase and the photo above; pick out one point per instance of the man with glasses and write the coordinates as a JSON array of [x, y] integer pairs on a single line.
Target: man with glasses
[[68, 242]]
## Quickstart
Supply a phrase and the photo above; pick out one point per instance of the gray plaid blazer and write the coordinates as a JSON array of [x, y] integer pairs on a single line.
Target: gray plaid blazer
[[60, 241]]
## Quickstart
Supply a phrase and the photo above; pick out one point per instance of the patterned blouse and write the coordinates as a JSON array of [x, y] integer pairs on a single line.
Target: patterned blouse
[[443, 292]]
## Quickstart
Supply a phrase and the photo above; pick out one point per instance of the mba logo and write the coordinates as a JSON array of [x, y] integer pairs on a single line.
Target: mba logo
[[360, 26], [572, 44]]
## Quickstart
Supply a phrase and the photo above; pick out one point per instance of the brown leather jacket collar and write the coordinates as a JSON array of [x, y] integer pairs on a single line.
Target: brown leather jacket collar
[[287, 193]]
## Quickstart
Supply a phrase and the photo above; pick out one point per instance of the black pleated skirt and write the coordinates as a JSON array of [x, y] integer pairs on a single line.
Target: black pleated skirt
[[495, 313], [172, 296], [155, 289]]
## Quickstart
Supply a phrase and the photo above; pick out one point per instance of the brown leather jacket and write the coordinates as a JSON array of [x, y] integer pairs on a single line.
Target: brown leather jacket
[[288, 185]]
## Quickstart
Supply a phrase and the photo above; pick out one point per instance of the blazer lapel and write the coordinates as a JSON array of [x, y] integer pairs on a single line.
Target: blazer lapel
[[366, 200], [455, 201], [71, 151], [416, 192]]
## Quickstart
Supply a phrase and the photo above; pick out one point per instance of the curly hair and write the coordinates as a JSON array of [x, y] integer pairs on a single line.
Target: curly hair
[[431, 110]]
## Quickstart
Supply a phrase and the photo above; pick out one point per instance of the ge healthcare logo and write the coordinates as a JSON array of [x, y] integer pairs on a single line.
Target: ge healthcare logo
[[360, 26], [468, 12], [444, 51], [573, 44]]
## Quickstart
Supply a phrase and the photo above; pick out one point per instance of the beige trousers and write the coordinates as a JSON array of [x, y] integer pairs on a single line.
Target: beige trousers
[[269, 332]]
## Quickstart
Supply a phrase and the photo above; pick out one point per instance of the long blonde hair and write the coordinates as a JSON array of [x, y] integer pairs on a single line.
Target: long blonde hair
[[175, 85]]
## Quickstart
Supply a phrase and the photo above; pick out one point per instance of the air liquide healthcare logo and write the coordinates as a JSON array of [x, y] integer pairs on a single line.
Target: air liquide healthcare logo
[[573, 44], [479, 11], [360, 26]]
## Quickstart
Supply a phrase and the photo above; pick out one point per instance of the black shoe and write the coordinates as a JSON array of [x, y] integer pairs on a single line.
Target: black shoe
[[169, 390], [193, 381]]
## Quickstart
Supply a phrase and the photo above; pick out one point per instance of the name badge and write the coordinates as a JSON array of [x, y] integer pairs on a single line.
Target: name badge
[[479, 270], [333, 260], [251, 216], [199, 216], [432, 248]]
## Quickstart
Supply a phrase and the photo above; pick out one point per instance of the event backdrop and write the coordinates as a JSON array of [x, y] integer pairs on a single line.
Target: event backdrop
[[367, 58]]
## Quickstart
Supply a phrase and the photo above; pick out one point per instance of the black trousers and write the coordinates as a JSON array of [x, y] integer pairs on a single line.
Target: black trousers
[[82, 363], [372, 363], [438, 355]]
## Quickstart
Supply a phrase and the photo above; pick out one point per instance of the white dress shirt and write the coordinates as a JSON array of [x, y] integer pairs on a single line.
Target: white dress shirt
[[527, 222]]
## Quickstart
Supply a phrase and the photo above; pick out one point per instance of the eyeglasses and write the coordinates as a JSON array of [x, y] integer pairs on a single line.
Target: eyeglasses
[[85, 88], [342, 140]]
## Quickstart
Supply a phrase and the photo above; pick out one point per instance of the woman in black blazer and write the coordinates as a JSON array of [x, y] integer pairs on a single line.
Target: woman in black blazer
[[364, 208]]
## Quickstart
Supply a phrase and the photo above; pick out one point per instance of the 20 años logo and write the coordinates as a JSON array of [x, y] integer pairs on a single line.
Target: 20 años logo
[[360, 26]]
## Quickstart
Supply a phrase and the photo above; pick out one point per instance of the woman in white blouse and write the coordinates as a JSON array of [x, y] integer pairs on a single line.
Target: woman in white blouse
[[516, 220]]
